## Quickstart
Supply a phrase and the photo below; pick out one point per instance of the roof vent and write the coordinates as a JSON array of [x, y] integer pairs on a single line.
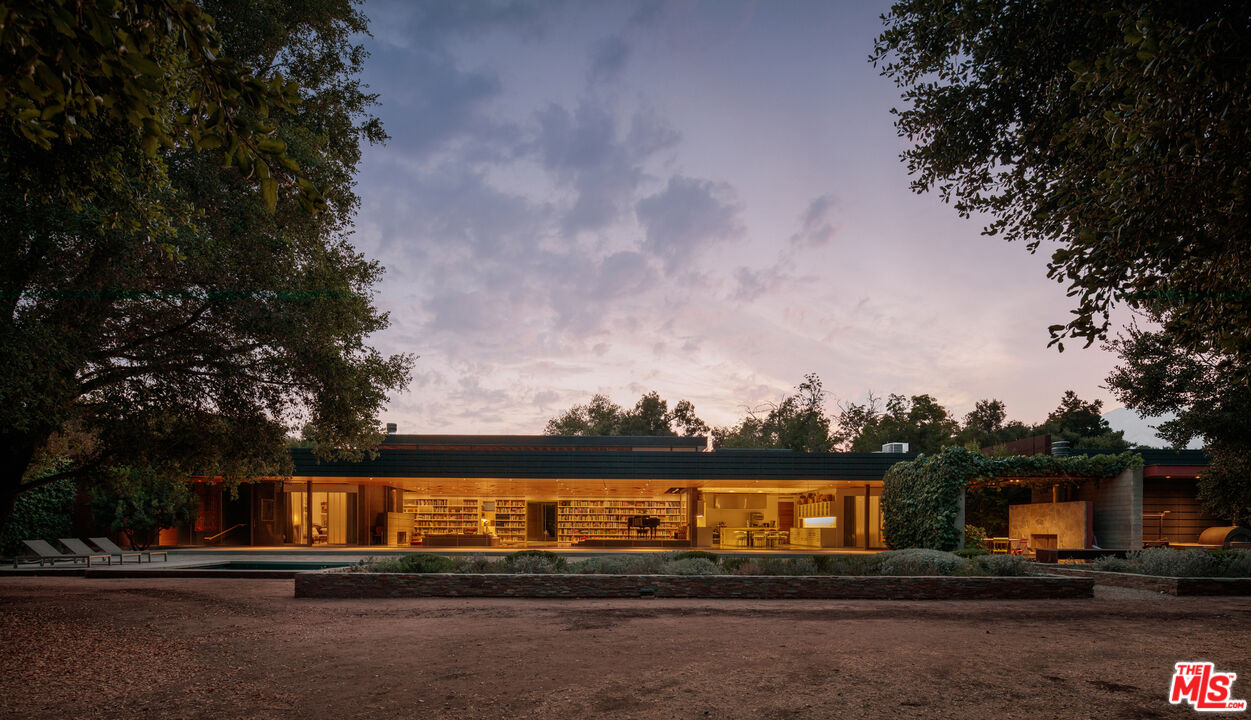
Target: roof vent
[[391, 428], [895, 448]]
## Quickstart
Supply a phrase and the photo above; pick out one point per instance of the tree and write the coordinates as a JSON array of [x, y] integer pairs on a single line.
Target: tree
[[163, 306], [76, 72], [650, 416], [798, 423], [1081, 424], [1158, 376], [139, 503], [920, 421], [1116, 135], [987, 425]]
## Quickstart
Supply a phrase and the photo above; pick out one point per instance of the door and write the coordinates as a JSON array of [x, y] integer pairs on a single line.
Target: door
[[786, 515]]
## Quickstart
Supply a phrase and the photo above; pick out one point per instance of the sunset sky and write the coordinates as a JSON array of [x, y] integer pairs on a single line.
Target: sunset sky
[[699, 198]]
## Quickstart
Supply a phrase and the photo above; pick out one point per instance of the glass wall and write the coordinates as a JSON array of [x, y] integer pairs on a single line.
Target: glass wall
[[332, 520]]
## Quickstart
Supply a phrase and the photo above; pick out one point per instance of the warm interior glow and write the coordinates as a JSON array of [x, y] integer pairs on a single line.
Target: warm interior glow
[[820, 522]]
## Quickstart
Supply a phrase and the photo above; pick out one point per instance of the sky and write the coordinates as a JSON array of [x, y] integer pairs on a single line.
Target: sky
[[699, 198]]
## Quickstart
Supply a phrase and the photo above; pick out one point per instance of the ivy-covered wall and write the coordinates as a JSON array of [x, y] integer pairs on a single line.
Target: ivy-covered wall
[[44, 513], [921, 497]]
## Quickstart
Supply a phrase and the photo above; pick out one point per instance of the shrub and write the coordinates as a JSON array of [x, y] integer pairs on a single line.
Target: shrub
[[535, 565], [421, 563], [691, 566], [857, 564], [1233, 563], [1003, 565], [139, 502], [39, 514], [1172, 563], [536, 560], [620, 565], [920, 561], [969, 553], [733, 563], [692, 554], [476, 564], [974, 538], [777, 566], [1110, 563]]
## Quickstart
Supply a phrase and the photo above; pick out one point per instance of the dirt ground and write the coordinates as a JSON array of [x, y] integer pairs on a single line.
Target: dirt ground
[[191, 648]]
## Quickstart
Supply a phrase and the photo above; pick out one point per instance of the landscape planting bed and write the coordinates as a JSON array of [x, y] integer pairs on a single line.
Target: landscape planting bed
[[401, 585]]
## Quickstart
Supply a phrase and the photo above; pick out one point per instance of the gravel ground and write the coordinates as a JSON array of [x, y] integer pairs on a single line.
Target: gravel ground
[[191, 648]]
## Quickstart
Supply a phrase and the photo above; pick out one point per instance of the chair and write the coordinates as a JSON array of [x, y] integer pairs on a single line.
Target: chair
[[111, 547], [45, 553], [1019, 546], [78, 547], [740, 538]]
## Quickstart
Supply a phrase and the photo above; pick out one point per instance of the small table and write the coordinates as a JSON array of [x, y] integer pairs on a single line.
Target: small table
[[1000, 545]]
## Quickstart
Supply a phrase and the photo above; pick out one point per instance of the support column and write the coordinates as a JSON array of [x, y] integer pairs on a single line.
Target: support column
[[691, 531], [308, 525], [867, 495]]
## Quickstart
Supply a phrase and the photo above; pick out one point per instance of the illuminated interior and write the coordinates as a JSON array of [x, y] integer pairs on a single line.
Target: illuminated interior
[[562, 512]]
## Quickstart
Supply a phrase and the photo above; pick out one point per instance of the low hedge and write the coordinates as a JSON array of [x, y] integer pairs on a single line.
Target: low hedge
[[912, 562]]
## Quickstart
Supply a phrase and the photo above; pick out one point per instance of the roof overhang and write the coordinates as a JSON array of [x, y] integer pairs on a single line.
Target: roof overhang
[[553, 488]]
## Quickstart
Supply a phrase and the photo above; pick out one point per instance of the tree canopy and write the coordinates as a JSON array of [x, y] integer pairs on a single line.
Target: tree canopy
[[162, 305], [1115, 136], [1158, 377], [650, 416], [797, 422], [1081, 424]]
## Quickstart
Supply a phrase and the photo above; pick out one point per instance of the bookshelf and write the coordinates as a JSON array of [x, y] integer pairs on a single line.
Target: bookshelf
[[443, 516], [606, 519], [510, 520]]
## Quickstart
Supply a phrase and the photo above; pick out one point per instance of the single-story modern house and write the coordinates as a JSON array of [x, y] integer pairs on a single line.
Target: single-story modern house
[[566, 491]]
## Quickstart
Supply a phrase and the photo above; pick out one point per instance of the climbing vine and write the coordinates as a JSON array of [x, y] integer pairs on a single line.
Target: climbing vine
[[921, 497]]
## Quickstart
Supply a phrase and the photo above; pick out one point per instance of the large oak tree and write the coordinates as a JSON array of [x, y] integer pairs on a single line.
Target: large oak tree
[[1117, 136], [178, 289]]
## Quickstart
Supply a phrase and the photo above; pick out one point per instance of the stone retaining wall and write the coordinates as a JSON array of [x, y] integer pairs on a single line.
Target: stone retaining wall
[[387, 585], [1170, 585]]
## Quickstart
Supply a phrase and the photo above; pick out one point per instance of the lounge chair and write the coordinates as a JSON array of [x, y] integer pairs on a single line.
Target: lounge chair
[[78, 547], [109, 546], [45, 553]]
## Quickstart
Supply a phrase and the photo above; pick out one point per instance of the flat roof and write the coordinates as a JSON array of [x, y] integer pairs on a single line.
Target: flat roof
[[544, 442], [605, 464]]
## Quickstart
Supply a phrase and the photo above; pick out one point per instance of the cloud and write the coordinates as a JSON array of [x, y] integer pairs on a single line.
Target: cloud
[[585, 151], [608, 59], [649, 14], [686, 216], [816, 227], [427, 23], [752, 284]]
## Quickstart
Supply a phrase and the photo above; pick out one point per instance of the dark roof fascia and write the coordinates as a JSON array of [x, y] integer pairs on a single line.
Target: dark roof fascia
[[606, 464], [548, 440], [1153, 457]]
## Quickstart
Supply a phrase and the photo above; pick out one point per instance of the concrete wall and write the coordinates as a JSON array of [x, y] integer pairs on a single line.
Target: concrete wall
[[1118, 509], [1068, 521]]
